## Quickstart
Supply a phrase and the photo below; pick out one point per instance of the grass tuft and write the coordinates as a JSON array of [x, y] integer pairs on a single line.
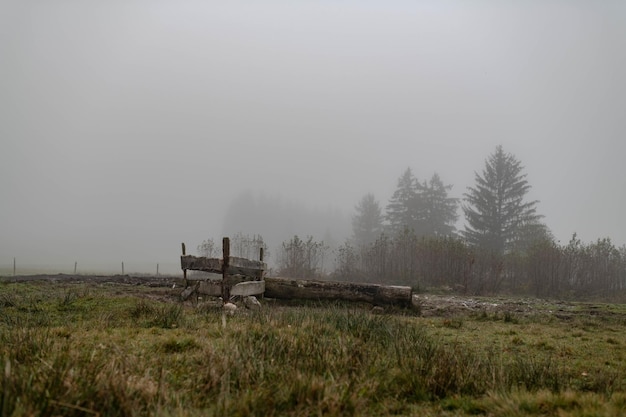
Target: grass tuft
[[178, 345]]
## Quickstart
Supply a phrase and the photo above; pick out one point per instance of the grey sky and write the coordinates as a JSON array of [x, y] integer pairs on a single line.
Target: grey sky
[[127, 127]]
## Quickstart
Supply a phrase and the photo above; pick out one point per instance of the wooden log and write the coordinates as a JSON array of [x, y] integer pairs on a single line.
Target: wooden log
[[187, 292], [242, 288], [247, 288], [213, 288], [243, 266], [237, 266], [285, 288], [200, 263]]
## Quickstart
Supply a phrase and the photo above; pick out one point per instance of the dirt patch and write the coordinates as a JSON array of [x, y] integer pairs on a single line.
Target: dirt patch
[[456, 305], [169, 288]]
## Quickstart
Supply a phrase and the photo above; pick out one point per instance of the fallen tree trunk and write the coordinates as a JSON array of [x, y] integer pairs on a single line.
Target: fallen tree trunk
[[286, 288]]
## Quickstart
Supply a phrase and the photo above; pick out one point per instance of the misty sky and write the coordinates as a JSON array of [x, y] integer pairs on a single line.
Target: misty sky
[[127, 127]]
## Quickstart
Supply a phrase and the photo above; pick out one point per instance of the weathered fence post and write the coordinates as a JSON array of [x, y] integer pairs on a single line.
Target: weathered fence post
[[184, 269], [225, 264], [75, 265], [260, 276], [13, 266]]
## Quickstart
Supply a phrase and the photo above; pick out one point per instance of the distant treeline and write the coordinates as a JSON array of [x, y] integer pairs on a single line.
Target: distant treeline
[[504, 247], [576, 270], [545, 269]]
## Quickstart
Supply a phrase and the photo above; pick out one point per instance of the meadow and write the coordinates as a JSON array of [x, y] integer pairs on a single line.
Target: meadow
[[113, 349]]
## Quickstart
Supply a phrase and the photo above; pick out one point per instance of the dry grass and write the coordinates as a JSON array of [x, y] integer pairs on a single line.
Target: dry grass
[[82, 350]]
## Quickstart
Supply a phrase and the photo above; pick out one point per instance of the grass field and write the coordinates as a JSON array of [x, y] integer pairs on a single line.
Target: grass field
[[80, 349]]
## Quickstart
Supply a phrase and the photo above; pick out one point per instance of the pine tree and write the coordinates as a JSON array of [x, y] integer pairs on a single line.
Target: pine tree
[[367, 223], [439, 210], [495, 208], [402, 207], [423, 208]]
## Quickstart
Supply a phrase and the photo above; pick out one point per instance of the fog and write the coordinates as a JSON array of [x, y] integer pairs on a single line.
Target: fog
[[129, 127]]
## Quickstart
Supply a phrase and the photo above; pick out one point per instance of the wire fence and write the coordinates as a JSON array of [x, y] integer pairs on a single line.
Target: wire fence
[[29, 267]]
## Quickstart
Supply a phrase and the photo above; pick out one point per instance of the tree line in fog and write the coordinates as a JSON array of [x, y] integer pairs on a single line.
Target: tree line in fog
[[504, 247]]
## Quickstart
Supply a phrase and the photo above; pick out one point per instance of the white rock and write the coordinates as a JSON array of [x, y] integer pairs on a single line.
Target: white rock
[[251, 303], [230, 308]]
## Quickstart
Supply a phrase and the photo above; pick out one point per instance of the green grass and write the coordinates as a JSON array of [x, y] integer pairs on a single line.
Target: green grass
[[76, 350]]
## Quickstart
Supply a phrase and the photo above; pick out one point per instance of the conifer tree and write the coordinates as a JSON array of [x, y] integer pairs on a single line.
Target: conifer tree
[[402, 210], [439, 210], [495, 207], [367, 223], [422, 208]]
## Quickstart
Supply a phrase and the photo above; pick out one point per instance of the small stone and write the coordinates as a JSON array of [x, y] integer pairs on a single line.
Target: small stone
[[230, 308], [377, 310], [251, 303]]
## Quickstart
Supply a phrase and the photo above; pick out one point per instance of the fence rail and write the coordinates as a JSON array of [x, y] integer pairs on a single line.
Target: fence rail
[[240, 276]]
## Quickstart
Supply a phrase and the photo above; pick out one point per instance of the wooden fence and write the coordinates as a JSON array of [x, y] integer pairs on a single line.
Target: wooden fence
[[240, 276]]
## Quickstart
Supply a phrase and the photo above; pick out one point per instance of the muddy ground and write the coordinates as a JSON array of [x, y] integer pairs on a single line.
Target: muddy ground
[[169, 288]]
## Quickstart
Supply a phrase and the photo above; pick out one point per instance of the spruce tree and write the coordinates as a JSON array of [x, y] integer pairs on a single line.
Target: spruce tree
[[402, 210], [422, 208], [495, 207], [439, 211], [367, 223]]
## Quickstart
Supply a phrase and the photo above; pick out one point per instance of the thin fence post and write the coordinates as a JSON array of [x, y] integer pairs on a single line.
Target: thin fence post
[[75, 265], [184, 270], [225, 264], [260, 276], [13, 266], [122, 268], [157, 270]]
